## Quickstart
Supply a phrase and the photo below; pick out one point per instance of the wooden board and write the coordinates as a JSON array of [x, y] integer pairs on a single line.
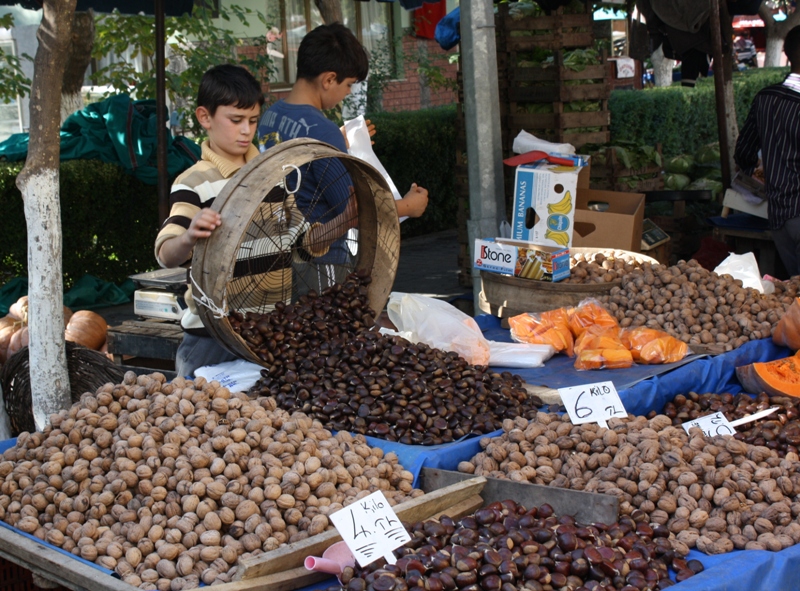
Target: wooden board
[[153, 340], [586, 507], [54, 566], [293, 555]]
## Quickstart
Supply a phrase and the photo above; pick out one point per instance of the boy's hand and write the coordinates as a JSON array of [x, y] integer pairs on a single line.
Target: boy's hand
[[370, 129], [204, 222], [414, 202], [177, 250]]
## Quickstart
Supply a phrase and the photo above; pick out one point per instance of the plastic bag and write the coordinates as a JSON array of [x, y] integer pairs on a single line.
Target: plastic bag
[[236, 376], [650, 346], [546, 328], [745, 268], [590, 312], [438, 324], [600, 347]]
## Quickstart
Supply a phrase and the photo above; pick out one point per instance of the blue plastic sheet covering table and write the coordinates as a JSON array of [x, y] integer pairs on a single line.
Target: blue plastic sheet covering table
[[737, 571]]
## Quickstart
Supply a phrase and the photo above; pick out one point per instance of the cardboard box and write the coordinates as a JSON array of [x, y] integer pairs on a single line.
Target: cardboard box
[[608, 219], [522, 259], [544, 202]]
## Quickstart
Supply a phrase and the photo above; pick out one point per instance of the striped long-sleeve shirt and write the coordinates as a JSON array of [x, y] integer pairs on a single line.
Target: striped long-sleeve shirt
[[773, 126]]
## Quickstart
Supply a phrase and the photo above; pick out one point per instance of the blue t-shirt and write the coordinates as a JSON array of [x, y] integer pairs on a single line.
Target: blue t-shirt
[[325, 184]]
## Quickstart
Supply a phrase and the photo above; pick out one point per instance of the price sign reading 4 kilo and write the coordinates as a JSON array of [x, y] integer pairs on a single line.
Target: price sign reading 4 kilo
[[371, 529], [592, 403]]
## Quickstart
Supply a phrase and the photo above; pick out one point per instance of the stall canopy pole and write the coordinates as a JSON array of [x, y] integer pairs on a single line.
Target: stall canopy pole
[[719, 94], [482, 122], [161, 114]]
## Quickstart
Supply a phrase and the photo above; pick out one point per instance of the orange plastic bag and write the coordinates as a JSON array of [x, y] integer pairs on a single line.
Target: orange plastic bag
[[603, 359], [590, 313], [600, 347], [650, 346], [787, 332], [546, 328]]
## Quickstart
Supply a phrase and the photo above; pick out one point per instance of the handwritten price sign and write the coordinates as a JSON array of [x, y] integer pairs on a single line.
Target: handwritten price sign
[[592, 403], [711, 425], [371, 529]]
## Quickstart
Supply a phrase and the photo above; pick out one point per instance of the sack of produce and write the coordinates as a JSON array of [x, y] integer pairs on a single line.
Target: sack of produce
[[650, 346], [682, 164], [546, 328], [590, 313], [599, 347], [676, 182], [787, 331]]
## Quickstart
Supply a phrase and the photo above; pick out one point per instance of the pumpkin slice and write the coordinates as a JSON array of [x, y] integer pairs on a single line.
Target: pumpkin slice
[[777, 378]]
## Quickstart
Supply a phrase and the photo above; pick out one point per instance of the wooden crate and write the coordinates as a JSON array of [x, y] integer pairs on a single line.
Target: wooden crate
[[613, 176], [557, 31]]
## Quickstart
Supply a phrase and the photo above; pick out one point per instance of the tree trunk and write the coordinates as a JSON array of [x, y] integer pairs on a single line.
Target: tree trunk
[[330, 11], [776, 33], [39, 184], [662, 67], [80, 55]]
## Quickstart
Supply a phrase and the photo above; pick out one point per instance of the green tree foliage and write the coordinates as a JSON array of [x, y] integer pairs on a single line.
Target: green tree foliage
[[13, 83], [195, 40]]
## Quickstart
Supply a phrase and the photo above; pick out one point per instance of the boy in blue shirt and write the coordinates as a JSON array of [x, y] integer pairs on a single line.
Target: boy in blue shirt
[[329, 61]]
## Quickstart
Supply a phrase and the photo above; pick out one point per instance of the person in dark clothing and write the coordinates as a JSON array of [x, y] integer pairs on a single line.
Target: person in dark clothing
[[773, 127]]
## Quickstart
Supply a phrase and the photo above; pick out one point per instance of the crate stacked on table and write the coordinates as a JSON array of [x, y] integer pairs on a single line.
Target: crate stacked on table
[[551, 101], [610, 173]]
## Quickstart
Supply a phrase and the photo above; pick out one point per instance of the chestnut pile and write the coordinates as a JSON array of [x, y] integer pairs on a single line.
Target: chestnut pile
[[505, 547], [779, 431], [327, 360]]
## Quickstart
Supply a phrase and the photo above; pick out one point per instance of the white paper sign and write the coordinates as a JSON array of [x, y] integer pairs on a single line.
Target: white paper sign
[[371, 529], [592, 403], [711, 425]]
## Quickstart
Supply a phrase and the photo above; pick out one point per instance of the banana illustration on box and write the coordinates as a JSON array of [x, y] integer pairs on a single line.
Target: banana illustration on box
[[563, 207], [561, 238]]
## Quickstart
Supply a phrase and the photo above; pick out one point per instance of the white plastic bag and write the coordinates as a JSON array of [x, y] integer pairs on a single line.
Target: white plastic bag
[[236, 376], [422, 319], [527, 142], [744, 267]]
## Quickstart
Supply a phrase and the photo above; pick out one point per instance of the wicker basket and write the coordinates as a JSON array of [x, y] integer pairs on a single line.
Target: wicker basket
[[88, 370]]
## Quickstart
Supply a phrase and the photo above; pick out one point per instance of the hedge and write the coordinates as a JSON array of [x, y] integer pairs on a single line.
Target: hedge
[[682, 119], [420, 147], [109, 222]]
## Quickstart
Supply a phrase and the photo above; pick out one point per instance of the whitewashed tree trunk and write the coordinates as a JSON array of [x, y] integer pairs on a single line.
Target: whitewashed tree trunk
[[776, 33], [662, 67], [70, 102], [39, 184]]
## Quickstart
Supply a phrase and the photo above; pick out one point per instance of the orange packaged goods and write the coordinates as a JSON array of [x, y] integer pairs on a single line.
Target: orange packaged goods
[[545, 328], [650, 346], [787, 331], [600, 347], [590, 313]]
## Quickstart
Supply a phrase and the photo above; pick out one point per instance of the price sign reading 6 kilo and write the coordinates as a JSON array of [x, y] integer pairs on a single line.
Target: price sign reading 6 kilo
[[371, 529], [592, 403]]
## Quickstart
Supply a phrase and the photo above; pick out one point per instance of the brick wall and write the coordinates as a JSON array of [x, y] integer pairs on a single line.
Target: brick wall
[[409, 92]]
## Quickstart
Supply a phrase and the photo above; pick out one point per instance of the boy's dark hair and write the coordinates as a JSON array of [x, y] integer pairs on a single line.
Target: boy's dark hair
[[791, 47], [229, 85], [332, 48]]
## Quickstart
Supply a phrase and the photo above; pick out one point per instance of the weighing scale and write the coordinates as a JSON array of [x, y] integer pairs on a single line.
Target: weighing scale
[[160, 293]]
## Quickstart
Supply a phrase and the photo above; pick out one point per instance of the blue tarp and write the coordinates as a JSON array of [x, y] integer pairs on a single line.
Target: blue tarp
[[737, 571]]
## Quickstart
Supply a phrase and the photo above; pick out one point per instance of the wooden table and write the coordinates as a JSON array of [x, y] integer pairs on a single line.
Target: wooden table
[[146, 345]]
